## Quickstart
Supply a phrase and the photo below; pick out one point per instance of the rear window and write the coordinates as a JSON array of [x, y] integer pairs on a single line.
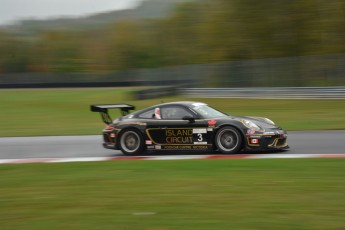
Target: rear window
[[148, 114]]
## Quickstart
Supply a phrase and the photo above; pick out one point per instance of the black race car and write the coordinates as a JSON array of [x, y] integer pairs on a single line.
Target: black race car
[[187, 126]]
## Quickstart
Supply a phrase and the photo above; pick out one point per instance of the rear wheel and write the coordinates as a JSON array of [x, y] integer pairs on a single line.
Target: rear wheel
[[228, 140], [131, 142]]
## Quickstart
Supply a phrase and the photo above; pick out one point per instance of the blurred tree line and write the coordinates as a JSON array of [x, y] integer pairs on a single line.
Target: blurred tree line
[[205, 31]]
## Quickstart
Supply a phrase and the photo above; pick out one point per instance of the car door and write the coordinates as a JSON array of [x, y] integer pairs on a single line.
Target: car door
[[178, 129]]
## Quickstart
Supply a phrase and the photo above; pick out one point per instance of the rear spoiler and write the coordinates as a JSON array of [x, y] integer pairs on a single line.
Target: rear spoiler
[[103, 110]]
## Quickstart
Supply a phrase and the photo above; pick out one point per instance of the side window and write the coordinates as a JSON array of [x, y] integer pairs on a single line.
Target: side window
[[174, 113], [148, 114]]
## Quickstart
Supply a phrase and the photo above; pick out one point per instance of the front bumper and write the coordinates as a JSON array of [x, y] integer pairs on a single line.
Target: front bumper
[[268, 140]]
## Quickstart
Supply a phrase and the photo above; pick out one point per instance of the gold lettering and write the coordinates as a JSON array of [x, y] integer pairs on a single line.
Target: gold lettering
[[179, 140], [178, 132], [179, 136], [200, 147], [177, 147], [169, 132]]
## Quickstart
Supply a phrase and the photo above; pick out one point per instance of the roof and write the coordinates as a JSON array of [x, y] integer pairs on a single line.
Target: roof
[[188, 103]]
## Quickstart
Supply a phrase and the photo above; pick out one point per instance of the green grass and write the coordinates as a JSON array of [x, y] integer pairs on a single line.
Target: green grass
[[66, 111], [191, 194]]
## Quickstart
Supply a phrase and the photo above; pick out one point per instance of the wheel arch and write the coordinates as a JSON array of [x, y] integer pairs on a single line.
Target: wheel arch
[[133, 128], [237, 127]]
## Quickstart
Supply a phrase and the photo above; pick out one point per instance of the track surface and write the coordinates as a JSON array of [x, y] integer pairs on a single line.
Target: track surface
[[303, 142]]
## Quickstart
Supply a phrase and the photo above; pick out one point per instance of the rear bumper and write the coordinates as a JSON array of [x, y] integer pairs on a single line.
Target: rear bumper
[[109, 140]]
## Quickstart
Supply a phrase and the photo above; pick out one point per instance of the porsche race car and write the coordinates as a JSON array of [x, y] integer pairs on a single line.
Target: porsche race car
[[187, 126]]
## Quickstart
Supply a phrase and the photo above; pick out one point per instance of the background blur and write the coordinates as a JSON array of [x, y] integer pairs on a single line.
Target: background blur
[[211, 43], [233, 44]]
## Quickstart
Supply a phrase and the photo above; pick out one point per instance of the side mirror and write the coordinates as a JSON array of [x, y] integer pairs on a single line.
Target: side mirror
[[189, 118]]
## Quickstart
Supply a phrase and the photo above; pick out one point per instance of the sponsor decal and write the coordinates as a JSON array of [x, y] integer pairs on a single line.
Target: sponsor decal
[[199, 131], [112, 135], [209, 129], [148, 142], [179, 136], [158, 147], [269, 133], [200, 143], [150, 147], [254, 141], [212, 122], [185, 147], [250, 131], [200, 147]]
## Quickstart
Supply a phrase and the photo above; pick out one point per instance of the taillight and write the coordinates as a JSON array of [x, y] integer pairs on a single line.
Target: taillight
[[109, 127]]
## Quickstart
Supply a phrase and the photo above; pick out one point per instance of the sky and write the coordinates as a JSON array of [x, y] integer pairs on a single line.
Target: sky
[[14, 10]]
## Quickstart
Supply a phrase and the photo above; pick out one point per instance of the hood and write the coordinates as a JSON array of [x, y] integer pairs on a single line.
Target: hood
[[260, 121]]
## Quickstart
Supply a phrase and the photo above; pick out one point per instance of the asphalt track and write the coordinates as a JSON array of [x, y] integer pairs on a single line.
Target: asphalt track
[[301, 142]]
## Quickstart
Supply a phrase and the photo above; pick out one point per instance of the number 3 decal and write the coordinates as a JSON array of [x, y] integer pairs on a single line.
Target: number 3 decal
[[200, 137]]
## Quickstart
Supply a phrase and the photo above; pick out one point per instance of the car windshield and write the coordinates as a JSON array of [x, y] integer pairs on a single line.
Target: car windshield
[[208, 112]]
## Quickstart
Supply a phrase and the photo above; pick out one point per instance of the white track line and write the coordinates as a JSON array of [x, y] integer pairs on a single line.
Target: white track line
[[176, 157]]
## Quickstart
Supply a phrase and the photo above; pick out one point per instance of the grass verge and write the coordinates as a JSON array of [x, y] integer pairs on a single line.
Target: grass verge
[[191, 194], [66, 111]]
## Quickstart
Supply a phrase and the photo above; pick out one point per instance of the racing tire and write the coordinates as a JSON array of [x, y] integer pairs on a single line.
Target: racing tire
[[228, 140], [131, 142]]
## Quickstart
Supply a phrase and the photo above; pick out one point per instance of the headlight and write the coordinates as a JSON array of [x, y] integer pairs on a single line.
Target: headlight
[[269, 121], [251, 125]]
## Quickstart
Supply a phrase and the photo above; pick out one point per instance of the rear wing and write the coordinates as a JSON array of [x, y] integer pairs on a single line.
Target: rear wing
[[103, 110]]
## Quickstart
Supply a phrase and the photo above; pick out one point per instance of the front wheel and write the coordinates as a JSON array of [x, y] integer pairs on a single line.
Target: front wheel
[[228, 140], [131, 142]]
